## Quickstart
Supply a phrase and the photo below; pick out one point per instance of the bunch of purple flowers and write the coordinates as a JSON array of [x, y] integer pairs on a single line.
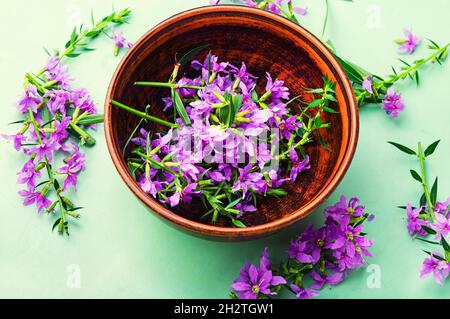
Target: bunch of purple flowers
[[326, 254], [56, 117], [233, 139], [430, 217]]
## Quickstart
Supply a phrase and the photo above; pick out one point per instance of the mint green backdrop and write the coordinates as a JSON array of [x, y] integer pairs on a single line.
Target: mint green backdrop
[[122, 250]]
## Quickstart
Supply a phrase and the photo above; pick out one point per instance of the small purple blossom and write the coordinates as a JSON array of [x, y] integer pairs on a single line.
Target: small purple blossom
[[410, 43], [28, 174], [432, 265], [393, 103], [256, 281], [45, 149], [321, 280], [297, 165], [17, 140], [415, 223], [30, 100], [75, 164], [303, 293], [31, 197], [368, 84]]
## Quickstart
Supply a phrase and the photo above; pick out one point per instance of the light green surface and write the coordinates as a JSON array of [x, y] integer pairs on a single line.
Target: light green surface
[[124, 251]]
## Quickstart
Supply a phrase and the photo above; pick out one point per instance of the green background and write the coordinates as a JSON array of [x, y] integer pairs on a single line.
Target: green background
[[124, 251]]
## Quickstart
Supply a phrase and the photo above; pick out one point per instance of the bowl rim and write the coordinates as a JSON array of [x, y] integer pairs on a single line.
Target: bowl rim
[[231, 232]]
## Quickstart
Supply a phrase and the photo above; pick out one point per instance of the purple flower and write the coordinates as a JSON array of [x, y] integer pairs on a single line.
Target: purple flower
[[17, 140], [45, 149], [342, 212], [442, 207], [247, 180], [297, 166], [31, 197], [149, 186], [321, 280], [277, 89], [60, 133], [393, 103], [409, 44], [28, 174], [441, 225], [254, 282], [30, 99], [415, 223], [75, 165], [300, 251], [52, 64], [59, 74], [81, 99], [367, 84], [120, 41], [439, 268], [184, 195], [299, 10], [57, 101], [302, 293]]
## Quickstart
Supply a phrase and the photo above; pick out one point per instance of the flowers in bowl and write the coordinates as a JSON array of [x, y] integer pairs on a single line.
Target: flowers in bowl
[[235, 138]]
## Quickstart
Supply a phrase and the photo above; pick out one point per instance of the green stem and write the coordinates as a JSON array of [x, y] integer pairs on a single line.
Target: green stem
[[421, 157], [49, 170], [143, 114], [148, 158]]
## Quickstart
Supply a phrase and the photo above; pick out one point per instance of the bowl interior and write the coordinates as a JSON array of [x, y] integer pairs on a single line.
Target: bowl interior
[[266, 45]]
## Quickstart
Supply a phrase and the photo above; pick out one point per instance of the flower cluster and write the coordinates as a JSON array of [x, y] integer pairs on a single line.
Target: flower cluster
[[429, 218], [326, 254], [233, 139], [56, 119]]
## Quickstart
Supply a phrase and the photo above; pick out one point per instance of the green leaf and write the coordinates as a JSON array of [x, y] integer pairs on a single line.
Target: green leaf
[[403, 148], [430, 149], [433, 193], [427, 241], [191, 54], [423, 200], [56, 223], [445, 245], [416, 176], [354, 73], [179, 106], [429, 230], [238, 223]]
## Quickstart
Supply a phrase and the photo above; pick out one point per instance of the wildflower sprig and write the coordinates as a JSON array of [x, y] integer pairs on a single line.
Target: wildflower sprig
[[376, 90], [430, 217], [324, 256], [56, 120], [225, 110]]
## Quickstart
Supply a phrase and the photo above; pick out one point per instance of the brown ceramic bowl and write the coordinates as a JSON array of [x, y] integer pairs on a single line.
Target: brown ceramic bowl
[[266, 42]]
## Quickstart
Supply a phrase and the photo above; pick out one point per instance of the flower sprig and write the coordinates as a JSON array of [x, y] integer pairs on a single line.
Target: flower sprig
[[56, 121], [326, 255], [430, 217], [370, 88]]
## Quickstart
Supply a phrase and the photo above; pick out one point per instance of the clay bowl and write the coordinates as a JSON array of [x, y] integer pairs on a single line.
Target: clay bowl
[[266, 42]]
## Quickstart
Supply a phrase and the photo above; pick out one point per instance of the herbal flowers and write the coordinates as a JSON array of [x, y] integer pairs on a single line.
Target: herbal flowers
[[430, 217], [56, 120], [234, 140], [326, 254]]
